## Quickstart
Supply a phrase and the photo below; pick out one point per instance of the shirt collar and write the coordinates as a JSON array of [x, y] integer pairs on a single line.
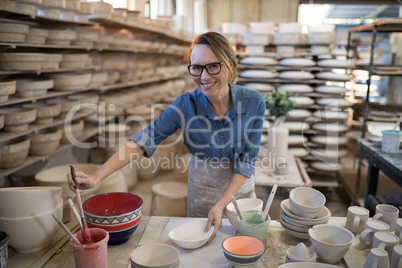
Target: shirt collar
[[236, 107]]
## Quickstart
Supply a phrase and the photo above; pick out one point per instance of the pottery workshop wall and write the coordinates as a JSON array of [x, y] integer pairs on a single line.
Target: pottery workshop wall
[[219, 11]]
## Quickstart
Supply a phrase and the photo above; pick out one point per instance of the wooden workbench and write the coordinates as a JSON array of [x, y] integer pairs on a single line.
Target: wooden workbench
[[152, 229]]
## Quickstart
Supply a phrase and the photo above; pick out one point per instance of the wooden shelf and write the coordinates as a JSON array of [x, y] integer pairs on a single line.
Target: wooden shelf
[[39, 72], [88, 133], [33, 128], [49, 94], [392, 25], [277, 80], [11, 14]]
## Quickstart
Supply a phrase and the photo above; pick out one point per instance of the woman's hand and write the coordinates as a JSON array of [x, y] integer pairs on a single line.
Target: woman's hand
[[82, 181], [214, 220]]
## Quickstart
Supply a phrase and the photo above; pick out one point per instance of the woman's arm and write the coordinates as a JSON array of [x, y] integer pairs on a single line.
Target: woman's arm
[[215, 214], [130, 152]]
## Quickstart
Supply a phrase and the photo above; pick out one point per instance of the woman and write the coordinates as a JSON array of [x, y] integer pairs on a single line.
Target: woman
[[221, 125]]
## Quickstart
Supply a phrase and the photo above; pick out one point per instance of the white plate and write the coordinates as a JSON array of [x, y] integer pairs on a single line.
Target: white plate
[[297, 62], [293, 227], [259, 61], [335, 63], [330, 140], [299, 152], [328, 153], [296, 139], [300, 235], [326, 114], [262, 87], [302, 101], [257, 74], [295, 75], [326, 166], [376, 128], [299, 88], [307, 265], [331, 76], [334, 102], [296, 126], [330, 89], [334, 127], [325, 214], [299, 113]]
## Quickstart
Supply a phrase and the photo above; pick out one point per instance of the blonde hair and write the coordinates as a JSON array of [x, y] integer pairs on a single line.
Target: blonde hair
[[221, 48]]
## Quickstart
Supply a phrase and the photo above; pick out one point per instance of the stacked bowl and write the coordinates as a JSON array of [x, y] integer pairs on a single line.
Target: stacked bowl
[[118, 213], [26, 216], [304, 209]]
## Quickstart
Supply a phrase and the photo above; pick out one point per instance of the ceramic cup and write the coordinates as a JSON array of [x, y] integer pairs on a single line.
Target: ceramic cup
[[386, 241], [398, 229], [396, 259], [391, 140], [377, 258], [388, 214], [252, 225], [373, 226], [356, 219]]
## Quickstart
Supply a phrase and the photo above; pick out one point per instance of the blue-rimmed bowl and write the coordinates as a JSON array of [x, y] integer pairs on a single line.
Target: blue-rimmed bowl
[[243, 250], [118, 213]]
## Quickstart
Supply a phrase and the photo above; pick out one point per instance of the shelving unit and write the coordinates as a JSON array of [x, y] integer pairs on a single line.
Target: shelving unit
[[373, 28], [143, 30], [312, 108]]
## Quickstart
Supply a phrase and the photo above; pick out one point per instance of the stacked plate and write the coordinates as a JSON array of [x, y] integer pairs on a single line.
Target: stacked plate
[[298, 226]]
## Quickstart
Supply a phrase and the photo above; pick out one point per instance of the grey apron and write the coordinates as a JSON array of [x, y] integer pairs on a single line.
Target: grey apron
[[206, 183]]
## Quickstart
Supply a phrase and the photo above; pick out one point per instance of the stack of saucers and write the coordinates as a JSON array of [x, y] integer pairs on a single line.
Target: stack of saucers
[[155, 256], [304, 209]]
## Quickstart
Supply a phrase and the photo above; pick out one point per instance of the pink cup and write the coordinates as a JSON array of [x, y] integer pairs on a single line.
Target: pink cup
[[94, 254]]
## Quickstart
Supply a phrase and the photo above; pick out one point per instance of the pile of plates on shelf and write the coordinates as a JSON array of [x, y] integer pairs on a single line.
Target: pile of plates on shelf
[[304, 209]]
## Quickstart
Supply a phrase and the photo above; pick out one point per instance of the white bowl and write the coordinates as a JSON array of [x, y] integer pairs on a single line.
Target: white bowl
[[306, 199], [302, 213], [155, 255], [330, 242], [32, 234], [244, 204], [307, 265], [324, 214], [191, 234], [22, 202]]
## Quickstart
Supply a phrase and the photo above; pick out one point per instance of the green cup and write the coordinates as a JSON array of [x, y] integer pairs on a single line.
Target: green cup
[[253, 225]]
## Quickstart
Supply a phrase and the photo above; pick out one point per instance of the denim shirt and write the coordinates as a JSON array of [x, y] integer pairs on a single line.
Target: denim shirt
[[236, 139]]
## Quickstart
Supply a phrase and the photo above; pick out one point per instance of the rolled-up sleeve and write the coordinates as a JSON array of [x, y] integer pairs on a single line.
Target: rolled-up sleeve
[[158, 130], [245, 158]]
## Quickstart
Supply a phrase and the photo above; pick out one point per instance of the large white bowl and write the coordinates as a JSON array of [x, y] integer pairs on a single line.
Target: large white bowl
[[21, 202], [330, 242], [306, 199], [244, 204], [191, 234], [32, 234], [324, 214]]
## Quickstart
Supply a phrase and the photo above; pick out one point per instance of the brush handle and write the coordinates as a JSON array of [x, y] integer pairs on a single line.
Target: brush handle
[[65, 228], [269, 202], [236, 207]]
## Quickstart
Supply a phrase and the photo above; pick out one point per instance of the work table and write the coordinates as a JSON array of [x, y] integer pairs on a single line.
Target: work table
[[153, 230]]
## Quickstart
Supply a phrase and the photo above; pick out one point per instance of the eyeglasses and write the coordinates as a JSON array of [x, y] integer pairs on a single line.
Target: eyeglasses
[[211, 68]]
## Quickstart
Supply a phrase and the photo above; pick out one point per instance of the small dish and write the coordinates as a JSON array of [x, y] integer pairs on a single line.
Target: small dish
[[191, 235]]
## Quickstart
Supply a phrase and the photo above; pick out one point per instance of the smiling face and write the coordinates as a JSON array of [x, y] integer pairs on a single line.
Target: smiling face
[[210, 85]]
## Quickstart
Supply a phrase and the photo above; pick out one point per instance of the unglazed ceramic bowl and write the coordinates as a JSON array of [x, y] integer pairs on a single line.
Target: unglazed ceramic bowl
[[306, 199], [155, 255], [242, 250], [330, 242], [117, 213], [21, 202], [31, 234], [244, 204], [191, 234]]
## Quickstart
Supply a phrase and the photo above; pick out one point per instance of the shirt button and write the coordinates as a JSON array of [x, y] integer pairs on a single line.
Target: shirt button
[[221, 137], [222, 153]]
